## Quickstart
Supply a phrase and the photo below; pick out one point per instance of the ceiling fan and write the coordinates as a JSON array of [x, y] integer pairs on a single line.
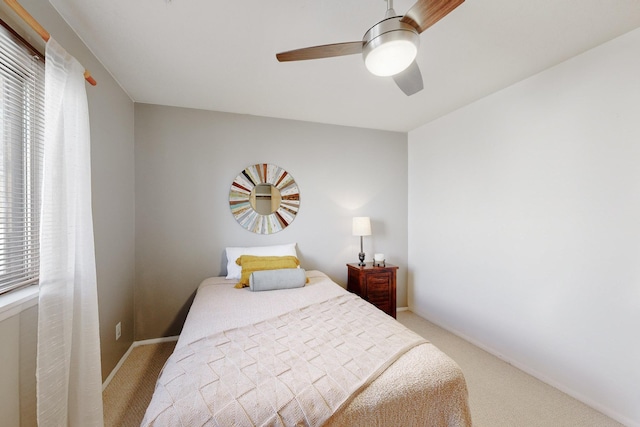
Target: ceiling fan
[[389, 48]]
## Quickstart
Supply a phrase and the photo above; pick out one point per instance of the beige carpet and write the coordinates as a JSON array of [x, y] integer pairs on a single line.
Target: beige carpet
[[499, 394], [128, 394]]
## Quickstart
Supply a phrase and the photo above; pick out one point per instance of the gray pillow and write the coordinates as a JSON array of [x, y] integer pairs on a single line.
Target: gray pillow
[[284, 278]]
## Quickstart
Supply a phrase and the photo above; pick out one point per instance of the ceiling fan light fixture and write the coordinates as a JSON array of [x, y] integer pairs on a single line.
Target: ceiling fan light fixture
[[390, 47], [391, 58]]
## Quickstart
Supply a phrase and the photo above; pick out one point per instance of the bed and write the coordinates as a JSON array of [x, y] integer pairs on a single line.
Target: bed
[[313, 355]]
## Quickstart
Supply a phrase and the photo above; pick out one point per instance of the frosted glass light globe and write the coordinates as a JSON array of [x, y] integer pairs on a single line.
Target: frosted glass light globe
[[391, 58]]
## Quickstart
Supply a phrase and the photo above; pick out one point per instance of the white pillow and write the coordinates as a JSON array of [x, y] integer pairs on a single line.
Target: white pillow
[[233, 253]]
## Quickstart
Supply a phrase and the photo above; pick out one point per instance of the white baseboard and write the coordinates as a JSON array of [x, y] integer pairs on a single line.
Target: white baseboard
[[115, 370], [128, 352], [155, 341], [402, 309], [534, 373]]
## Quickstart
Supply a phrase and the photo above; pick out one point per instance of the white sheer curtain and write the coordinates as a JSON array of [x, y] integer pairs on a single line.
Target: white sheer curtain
[[68, 362]]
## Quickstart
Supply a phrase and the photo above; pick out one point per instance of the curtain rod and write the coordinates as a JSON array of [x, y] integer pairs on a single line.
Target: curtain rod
[[26, 17]]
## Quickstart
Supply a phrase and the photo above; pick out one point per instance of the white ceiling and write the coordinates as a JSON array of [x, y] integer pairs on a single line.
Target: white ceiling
[[216, 55]]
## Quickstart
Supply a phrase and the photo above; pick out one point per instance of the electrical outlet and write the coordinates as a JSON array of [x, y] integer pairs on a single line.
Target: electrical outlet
[[118, 331]]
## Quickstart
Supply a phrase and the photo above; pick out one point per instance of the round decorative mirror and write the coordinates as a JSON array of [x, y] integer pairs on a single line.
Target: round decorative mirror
[[264, 198]]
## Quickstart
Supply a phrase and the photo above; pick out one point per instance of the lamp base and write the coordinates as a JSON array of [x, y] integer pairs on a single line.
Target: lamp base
[[361, 257]]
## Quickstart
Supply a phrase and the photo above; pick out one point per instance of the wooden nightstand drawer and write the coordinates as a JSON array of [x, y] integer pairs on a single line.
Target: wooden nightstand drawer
[[379, 282], [378, 294], [374, 284]]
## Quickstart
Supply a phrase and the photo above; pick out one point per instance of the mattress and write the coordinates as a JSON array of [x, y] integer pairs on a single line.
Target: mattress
[[417, 385]]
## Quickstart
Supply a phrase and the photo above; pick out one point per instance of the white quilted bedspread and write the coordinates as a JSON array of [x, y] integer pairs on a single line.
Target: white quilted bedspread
[[294, 369]]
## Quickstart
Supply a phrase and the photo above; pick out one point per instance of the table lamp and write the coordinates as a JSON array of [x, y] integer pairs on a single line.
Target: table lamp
[[361, 227]]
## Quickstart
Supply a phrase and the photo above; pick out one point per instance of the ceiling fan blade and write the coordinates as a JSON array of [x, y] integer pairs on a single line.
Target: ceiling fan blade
[[323, 51], [425, 13], [410, 80]]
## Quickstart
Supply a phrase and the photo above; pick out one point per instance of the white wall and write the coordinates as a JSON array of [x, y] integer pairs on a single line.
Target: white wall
[[524, 225], [186, 161]]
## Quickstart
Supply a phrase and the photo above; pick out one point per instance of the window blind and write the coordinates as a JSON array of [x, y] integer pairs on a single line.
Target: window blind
[[21, 152]]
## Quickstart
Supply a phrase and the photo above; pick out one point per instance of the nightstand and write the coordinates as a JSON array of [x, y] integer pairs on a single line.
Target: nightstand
[[374, 284]]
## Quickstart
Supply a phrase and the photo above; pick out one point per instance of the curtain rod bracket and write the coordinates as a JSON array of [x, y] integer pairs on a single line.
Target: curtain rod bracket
[[35, 25]]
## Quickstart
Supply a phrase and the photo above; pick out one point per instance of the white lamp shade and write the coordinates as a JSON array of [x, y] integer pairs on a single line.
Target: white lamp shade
[[361, 226]]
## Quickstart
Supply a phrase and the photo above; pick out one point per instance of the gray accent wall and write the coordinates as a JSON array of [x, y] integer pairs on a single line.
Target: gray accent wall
[[185, 162], [112, 159]]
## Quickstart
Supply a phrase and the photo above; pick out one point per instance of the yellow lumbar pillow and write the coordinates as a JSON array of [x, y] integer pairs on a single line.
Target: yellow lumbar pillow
[[251, 263]]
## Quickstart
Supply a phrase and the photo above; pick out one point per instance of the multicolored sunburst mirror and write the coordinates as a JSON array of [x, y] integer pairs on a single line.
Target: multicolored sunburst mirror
[[264, 198]]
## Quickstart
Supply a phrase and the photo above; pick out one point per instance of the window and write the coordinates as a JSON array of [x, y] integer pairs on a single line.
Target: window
[[21, 151]]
